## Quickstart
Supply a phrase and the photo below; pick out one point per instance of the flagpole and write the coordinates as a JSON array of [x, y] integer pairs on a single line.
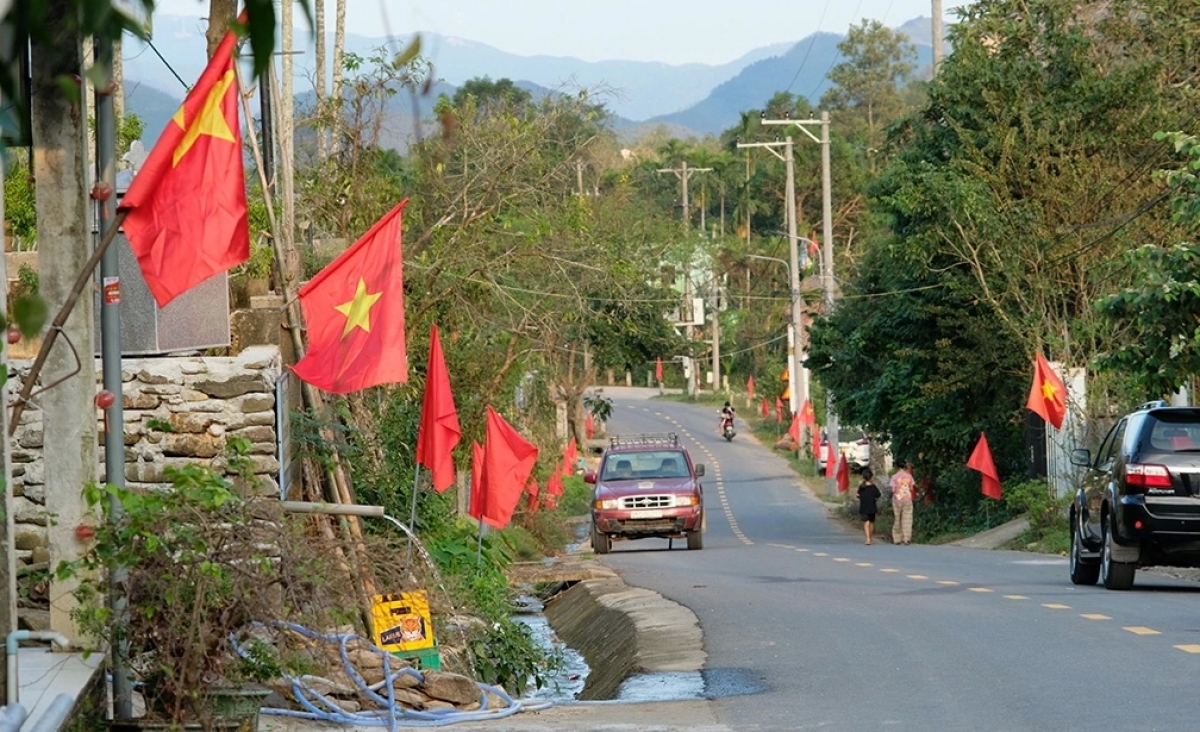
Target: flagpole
[[81, 282], [479, 541], [412, 517]]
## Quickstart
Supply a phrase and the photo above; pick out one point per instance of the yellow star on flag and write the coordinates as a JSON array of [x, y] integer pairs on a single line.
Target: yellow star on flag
[[358, 310], [210, 120], [1049, 391]]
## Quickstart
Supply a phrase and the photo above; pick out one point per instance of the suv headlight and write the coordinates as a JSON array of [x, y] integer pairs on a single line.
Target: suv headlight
[[689, 500], [606, 504]]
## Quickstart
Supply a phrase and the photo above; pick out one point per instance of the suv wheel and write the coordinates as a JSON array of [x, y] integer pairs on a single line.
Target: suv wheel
[[601, 542], [1115, 575], [1084, 571]]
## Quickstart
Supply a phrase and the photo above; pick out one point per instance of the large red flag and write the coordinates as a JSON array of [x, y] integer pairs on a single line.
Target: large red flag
[[807, 415], [658, 369], [508, 461], [794, 428], [981, 460], [354, 309], [570, 455], [186, 208], [778, 410], [439, 431], [750, 387], [843, 475], [1047, 394]]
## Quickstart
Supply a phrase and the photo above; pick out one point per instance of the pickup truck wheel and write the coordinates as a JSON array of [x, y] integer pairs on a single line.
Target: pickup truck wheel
[[601, 542], [1114, 575], [1083, 571], [695, 539]]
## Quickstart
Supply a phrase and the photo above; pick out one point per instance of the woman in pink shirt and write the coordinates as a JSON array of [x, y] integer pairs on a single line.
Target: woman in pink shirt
[[904, 490]]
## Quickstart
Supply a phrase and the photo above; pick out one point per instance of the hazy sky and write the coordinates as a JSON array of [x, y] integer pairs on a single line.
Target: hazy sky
[[672, 31]]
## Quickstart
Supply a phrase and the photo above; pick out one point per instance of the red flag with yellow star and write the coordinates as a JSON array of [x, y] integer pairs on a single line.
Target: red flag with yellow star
[[185, 212], [354, 311], [1047, 394]]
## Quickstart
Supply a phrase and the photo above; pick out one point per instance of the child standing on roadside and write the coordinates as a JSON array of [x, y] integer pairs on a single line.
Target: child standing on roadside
[[868, 495]]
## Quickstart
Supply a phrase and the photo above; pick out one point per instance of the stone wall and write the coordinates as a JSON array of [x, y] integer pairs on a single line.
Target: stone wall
[[178, 410]]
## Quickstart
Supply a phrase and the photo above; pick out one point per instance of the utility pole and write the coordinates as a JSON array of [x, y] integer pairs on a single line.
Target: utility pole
[[937, 35], [827, 258], [684, 173], [8, 564], [797, 384]]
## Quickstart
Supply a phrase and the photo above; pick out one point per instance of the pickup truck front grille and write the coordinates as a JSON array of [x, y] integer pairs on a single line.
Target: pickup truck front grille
[[633, 503]]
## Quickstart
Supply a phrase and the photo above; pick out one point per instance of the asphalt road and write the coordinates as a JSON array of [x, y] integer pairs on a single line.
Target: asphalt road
[[844, 636]]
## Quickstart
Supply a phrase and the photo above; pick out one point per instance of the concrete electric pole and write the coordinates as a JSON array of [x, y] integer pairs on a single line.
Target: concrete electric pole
[[827, 284], [937, 35], [684, 173], [797, 385]]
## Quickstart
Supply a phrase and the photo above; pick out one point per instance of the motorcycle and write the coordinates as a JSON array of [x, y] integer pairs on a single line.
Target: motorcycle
[[727, 430]]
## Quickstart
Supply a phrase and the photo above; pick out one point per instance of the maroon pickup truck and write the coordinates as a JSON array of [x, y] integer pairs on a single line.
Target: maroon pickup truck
[[647, 486]]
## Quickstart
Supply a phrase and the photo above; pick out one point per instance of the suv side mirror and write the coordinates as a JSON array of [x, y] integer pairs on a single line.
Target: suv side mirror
[[699, 469], [1081, 458], [589, 477]]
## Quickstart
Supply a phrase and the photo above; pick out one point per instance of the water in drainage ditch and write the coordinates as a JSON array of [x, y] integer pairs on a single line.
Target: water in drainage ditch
[[564, 687]]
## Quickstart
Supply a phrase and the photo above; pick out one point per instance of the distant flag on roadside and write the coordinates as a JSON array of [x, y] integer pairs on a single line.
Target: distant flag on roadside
[[590, 425], [658, 370], [807, 415], [778, 410], [439, 431], [554, 485], [750, 387], [1047, 394], [354, 313], [185, 211], [533, 504], [570, 455], [981, 460], [831, 462], [843, 475], [816, 442], [766, 411], [794, 428]]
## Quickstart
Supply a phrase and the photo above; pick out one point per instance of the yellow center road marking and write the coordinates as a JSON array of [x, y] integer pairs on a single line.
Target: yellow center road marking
[[1095, 616], [840, 559], [803, 550], [916, 576], [1015, 597], [1189, 648], [820, 554], [1055, 606], [1141, 630], [947, 582], [863, 564], [979, 589], [889, 570]]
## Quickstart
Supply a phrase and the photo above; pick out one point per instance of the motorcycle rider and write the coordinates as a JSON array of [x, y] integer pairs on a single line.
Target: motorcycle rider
[[727, 415]]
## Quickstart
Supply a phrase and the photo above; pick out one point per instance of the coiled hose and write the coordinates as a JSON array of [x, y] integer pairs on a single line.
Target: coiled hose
[[389, 713]]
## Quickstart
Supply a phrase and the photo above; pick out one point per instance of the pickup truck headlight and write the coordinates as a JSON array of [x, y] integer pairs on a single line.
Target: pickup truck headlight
[[692, 500], [606, 504]]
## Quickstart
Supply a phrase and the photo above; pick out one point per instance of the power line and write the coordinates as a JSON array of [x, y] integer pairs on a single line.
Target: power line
[[836, 57], [811, 43], [168, 65]]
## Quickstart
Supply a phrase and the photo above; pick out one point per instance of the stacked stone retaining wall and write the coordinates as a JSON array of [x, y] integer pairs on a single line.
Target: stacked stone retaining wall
[[177, 411]]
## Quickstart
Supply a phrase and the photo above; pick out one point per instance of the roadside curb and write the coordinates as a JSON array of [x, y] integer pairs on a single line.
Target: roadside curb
[[622, 630]]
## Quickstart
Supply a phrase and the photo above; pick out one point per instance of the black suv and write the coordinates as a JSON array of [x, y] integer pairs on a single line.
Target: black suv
[[1139, 501]]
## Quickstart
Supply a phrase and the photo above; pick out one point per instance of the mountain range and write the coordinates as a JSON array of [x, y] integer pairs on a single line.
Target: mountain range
[[689, 98]]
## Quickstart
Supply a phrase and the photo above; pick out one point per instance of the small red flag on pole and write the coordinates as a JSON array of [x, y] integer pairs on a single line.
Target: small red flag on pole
[[981, 460], [794, 428], [439, 431], [766, 411], [807, 415], [843, 475], [831, 462], [1047, 394], [658, 370], [570, 455], [778, 410], [590, 426], [508, 460], [750, 387], [816, 443]]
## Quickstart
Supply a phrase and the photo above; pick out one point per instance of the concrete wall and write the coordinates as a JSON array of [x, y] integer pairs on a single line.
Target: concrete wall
[[622, 630], [205, 400]]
